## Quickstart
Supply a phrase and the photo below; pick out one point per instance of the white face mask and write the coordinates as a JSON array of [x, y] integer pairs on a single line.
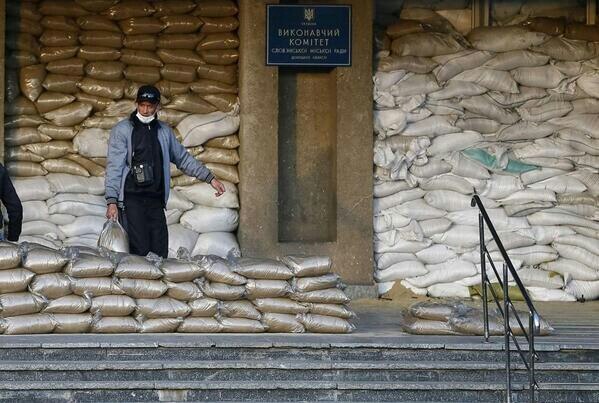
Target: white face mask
[[144, 119]]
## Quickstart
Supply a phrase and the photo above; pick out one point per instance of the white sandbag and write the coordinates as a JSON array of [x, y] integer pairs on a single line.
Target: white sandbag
[[481, 125], [434, 226], [540, 278], [383, 80], [425, 44], [92, 142], [197, 129], [546, 234], [548, 162], [36, 188], [432, 126], [446, 272], [77, 198], [411, 232], [529, 195], [567, 49], [436, 254], [382, 189], [448, 290], [526, 130], [494, 80], [433, 168], [453, 142], [34, 210], [452, 65], [84, 225], [500, 186], [538, 175], [180, 237], [401, 246], [541, 110], [484, 105], [216, 243], [418, 210], [387, 221], [544, 294], [452, 201], [389, 122], [65, 183], [77, 209], [515, 59], [459, 236], [386, 260], [534, 255], [204, 194], [542, 77], [585, 122], [414, 84], [590, 244], [415, 290], [41, 228], [560, 184], [457, 89], [447, 182], [585, 105], [210, 219], [542, 218], [579, 141], [583, 290], [465, 167], [504, 39], [571, 268], [383, 203], [525, 94]]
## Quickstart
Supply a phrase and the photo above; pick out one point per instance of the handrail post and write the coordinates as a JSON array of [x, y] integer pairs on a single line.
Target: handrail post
[[531, 355], [506, 324], [483, 273]]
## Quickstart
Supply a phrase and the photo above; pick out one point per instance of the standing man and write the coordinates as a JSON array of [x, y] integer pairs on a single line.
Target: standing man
[[140, 150], [13, 205]]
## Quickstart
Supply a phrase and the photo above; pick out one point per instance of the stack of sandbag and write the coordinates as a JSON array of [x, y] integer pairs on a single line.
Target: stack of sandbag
[[73, 70], [506, 113], [81, 289]]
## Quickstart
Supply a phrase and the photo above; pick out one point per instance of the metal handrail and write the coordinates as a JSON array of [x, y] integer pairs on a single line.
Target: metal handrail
[[533, 317]]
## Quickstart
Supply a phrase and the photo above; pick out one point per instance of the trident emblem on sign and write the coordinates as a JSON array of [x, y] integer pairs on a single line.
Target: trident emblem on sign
[[308, 14]]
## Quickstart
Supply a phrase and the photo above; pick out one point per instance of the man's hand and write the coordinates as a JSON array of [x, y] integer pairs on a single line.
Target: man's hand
[[218, 186], [112, 212]]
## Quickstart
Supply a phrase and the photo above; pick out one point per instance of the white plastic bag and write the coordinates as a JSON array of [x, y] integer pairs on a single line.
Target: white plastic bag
[[113, 237]]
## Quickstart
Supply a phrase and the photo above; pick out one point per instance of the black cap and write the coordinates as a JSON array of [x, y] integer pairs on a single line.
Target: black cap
[[148, 93]]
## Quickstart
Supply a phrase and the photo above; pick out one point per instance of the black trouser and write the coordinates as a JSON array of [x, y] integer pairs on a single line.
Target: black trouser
[[145, 223]]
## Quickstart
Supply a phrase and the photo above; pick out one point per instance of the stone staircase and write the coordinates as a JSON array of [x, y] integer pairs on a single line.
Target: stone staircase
[[267, 368]]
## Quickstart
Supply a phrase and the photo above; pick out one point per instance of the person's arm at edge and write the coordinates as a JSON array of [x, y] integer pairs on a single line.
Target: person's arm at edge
[[115, 163], [14, 208]]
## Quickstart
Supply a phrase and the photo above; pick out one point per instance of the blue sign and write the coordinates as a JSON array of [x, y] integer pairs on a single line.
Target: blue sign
[[308, 35]]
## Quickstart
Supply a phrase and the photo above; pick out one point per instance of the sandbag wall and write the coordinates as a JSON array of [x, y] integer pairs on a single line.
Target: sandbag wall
[[72, 72], [508, 113], [80, 290]]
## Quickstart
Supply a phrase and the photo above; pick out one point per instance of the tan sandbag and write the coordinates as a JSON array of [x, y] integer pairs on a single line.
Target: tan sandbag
[[20, 303], [49, 101], [86, 265], [180, 271], [22, 41], [120, 108], [171, 116], [102, 38], [128, 9], [241, 325], [69, 323], [215, 25], [307, 284], [137, 288], [50, 54], [95, 286], [280, 305], [218, 270], [69, 115], [183, 291], [191, 103], [325, 324], [240, 309], [10, 256], [26, 10], [226, 172], [61, 83], [15, 280], [220, 57], [25, 25], [180, 56], [200, 325], [97, 23], [340, 311], [60, 23], [24, 135], [140, 42], [582, 32], [98, 53], [169, 7], [170, 88], [224, 74], [51, 286], [327, 296], [178, 41], [98, 103], [11, 122], [19, 154], [204, 86], [65, 166], [404, 27], [266, 269], [216, 8], [282, 323], [219, 156], [28, 324], [62, 7], [223, 102], [51, 149], [68, 304], [204, 307], [224, 292], [72, 67], [162, 325], [163, 307], [425, 44], [178, 72], [59, 38], [25, 168], [56, 132], [131, 88], [141, 58], [103, 70], [133, 266], [100, 161], [142, 74], [41, 260], [183, 180], [180, 24], [101, 88], [547, 25], [20, 106], [116, 324], [267, 288], [30, 81], [11, 82], [223, 40], [20, 58], [228, 142], [113, 305], [308, 266], [141, 25], [90, 166], [96, 5]]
